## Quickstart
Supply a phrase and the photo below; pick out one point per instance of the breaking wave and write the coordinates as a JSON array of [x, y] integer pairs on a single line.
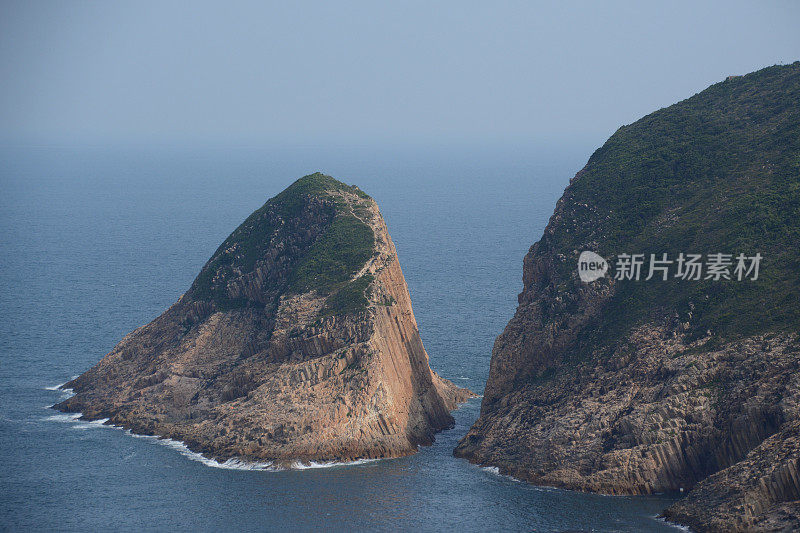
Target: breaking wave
[[298, 465], [181, 448]]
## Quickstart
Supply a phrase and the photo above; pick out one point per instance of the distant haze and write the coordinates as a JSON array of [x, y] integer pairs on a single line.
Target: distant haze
[[426, 72]]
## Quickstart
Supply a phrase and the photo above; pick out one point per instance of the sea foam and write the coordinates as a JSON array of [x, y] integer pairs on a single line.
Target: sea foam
[[63, 417], [65, 393], [89, 424], [495, 471], [180, 447], [298, 465]]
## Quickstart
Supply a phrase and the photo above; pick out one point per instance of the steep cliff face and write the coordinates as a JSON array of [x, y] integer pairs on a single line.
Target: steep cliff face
[[630, 387], [761, 492], [296, 341]]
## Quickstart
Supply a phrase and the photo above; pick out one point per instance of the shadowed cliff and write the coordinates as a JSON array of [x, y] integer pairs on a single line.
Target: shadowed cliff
[[631, 387]]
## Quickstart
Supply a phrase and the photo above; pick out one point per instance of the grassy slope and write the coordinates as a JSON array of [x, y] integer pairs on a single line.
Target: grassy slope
[[326, 266], [718, 172]]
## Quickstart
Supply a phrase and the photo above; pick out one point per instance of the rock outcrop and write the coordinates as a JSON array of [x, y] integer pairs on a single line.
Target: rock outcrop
[[633, 387], [296, 342], [761, 492]]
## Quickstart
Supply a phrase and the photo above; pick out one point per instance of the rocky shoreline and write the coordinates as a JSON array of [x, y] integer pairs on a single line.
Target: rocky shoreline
[[623, 386], [297, 342]]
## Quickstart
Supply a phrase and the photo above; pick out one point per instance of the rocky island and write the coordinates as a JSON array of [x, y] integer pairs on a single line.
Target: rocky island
[[296, 342], [622, 386]]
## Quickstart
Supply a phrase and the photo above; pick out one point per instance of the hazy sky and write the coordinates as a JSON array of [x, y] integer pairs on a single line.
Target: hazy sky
[[255, 72]]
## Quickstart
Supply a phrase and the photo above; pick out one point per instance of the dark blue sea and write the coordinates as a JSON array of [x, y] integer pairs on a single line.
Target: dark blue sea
[[96, 241]]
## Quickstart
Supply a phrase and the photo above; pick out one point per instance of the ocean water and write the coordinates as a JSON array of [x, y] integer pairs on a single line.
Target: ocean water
[[96, 241]]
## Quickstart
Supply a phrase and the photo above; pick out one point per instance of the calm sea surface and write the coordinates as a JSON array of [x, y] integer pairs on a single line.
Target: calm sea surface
[[96, 242]]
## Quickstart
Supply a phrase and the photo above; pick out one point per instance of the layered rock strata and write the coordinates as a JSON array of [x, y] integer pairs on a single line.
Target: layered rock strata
[[296, 342], [627, 386]]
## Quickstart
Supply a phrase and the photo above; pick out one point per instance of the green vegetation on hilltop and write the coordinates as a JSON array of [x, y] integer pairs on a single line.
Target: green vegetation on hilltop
[[716, 173], [280, 230], [293, 197], [335, 257], [351, 298]]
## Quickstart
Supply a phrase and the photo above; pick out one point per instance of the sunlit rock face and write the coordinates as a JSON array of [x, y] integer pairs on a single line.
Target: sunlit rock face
[[296, 342]]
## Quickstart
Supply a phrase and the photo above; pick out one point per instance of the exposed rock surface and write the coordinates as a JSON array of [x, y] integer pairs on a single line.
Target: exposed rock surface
[[761, 492], [296, 341], [627, 387]]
